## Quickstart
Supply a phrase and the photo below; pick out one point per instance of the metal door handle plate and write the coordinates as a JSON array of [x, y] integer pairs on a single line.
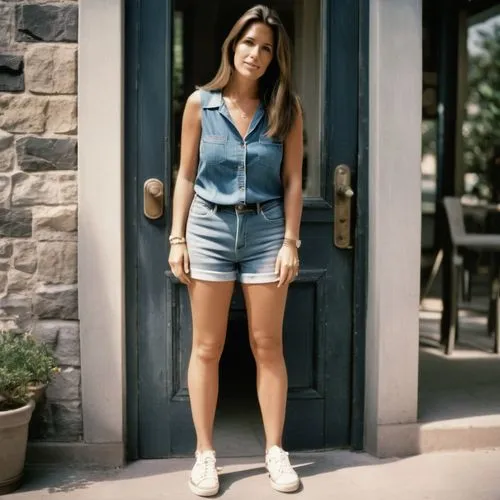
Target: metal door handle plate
[[342, 194], [153, 198]]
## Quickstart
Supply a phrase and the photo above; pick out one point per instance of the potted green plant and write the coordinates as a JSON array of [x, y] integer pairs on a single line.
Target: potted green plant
[[26, 367]]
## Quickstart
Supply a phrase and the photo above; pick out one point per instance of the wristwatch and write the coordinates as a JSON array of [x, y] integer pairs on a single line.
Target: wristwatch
[[292, 242]]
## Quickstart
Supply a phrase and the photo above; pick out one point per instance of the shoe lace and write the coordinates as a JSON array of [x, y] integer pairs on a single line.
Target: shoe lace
[[283, 463], [208, 463]]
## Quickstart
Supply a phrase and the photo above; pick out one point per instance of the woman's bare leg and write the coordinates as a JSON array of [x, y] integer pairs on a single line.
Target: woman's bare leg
[[265, 304], [209, 308]]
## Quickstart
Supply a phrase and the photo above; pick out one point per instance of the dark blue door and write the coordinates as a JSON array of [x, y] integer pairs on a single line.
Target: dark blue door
[[171, 47]]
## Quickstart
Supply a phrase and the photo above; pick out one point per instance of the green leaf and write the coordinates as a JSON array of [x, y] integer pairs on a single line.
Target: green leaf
[[24, 361]]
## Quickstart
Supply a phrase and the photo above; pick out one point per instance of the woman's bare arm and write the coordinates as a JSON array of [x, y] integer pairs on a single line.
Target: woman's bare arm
[[287, 262], [184, 185], [292, 177]]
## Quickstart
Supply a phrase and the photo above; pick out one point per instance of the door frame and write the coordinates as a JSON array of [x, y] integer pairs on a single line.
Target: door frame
[[133, 211], [392, 314]]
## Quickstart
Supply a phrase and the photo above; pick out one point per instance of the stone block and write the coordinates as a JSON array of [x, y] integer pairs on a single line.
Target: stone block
[[40, 421], [8, 325], [67, 420], [6, 140], [63, 338], [57, 262], [5, 191], [7, 24], [5, 249], [19, 281], [3, 289], [47, 23], [18, 308], [11, 73], [68, 346], [15, 223], [62, 116], [25, 256], [23, 114], [56, 302], [65, 385], [7, 160], [36, 154], [51, 70], [55, 223], [43, 189], [68, 191], [57, 421], [47, 331]]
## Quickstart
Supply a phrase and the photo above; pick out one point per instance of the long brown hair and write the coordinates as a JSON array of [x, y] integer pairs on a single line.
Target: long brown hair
[[275, 86]]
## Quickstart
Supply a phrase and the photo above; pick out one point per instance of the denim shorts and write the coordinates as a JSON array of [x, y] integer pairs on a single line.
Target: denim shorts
[[228, 243]]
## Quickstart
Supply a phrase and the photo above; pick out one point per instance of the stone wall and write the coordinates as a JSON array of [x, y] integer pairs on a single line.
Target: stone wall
[[38, 194]]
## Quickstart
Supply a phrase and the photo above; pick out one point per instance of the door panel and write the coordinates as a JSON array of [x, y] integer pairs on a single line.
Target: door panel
[[154, 354], [177, 46]]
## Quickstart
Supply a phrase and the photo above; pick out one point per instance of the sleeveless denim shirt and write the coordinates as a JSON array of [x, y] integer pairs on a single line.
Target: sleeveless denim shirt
[[233, 169]]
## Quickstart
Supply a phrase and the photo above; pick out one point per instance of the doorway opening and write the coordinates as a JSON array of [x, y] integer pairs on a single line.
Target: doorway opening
[[199, 29], [238, 426]]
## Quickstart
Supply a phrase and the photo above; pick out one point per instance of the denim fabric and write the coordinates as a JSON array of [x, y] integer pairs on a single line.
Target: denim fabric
[[234, 169], [225, 244]]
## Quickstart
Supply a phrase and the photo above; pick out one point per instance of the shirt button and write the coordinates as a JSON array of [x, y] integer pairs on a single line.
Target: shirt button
[[242, 188]]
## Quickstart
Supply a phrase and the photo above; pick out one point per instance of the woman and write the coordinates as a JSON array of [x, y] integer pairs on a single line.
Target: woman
[[236, 215]]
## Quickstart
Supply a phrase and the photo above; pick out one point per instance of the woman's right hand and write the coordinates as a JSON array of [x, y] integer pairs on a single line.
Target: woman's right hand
[[179, 262]]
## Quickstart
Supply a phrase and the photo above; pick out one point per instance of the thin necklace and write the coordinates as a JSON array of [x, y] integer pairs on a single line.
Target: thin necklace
[[241, 112]]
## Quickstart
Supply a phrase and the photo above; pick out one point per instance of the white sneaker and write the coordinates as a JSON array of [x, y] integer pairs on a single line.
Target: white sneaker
[[283, 477], [204, 480]]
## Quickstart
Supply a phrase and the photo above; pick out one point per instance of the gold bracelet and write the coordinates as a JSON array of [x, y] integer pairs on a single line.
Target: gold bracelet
[[181, 239], [290, 242], [177, 242]]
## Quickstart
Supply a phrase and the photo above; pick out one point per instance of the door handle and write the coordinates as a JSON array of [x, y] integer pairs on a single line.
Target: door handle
[[154, 198], [342, 195]]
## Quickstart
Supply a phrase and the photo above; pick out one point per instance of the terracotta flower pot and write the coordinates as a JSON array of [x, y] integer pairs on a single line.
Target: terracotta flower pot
[[13, 441]]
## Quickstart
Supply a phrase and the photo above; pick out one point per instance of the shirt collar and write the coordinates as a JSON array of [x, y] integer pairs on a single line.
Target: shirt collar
[[214, 101]]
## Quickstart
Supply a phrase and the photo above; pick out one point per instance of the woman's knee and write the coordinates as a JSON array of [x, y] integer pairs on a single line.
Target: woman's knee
[[266, 347], [207, 351]]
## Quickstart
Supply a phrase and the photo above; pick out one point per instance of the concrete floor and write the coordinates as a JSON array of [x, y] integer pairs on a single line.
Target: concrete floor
[[459, 409], [338, 474], [459, 395]]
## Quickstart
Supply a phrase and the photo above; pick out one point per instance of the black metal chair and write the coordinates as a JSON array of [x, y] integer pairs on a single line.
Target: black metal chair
[[460, 240]]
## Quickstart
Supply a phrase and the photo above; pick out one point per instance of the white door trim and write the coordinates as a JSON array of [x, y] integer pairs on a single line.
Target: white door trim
[[395, 93], [101, 270]]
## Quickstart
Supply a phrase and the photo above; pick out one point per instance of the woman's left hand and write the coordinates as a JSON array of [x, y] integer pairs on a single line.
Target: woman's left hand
[[287, 265]]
